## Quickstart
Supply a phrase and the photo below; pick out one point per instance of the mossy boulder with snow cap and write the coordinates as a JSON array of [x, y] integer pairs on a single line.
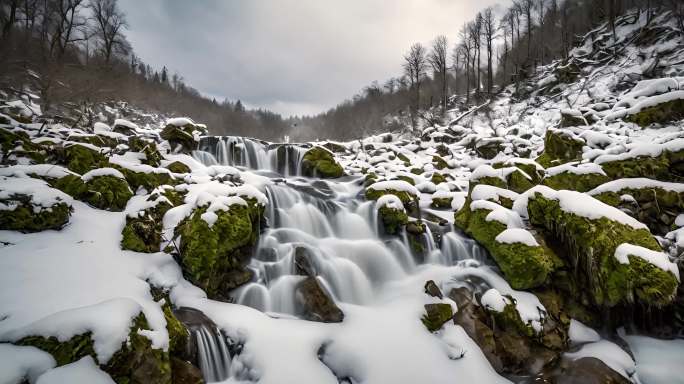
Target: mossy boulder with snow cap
[[392, 213], [320, 162], [82, 158], [406, 192], [103, 188], [511, 178], [524, 262], [215, 244], [666, 112], [30, 205], [183, 134], [135, 362], [587, 234], [144, 223], [561, 146], [655, 203], [575, 177], [663, 162]]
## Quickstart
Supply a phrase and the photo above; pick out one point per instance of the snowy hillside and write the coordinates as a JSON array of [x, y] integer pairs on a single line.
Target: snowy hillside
[[536, 238]]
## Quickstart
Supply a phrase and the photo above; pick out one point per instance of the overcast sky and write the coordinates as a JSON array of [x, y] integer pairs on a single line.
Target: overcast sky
[[290, 56]]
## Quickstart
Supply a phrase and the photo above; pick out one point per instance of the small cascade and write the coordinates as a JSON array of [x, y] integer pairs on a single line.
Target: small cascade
[[323, 224], [213, 355], [207, 348]]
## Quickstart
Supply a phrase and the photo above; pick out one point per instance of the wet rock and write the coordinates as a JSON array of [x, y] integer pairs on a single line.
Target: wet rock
[[315, 303], [182, 372], [432, 289], [318, 161], [587, 370], [436, 315], [393, 219], [303, 262]]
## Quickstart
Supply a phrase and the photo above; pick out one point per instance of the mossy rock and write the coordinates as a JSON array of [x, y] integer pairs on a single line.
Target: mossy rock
[[94, 139], [441, 203], [19, 144], [662, 113], [439, 162], [178, 167], [182, 138], [589, 245], [334, 147], [489, 148], [147, 147], [438, 178], [136, 362], [654, 206], [27, 217], [393, 219], [214, 258], [320, 162], [143, 233], [104, 192], [519, 182], [575, 182], [148, 181], [406, 179], [570, 120], [560, 147], [531, 170], [523, 266], [436, 315], [402, 157], [405, 197], [488, 180], [81, 159], [655, 167]]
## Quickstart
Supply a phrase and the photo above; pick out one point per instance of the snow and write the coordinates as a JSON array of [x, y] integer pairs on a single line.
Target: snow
[[577, 203], [180, 121], [40, 194], [658, 259], [108, 321], [578, 333], [612, 355], [489, 192], [486, 170], [576, 169], [126, 123], [516, 235], [18, 363], [102, 172], [636, 183], [494, 301], [41, 170], [395, 185], [657, 361], [389, 201], [83, 371], [220, 203]]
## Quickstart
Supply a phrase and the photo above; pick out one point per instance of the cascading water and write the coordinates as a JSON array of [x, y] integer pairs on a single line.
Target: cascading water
[[324, 228], [329, 223], [213, 355]]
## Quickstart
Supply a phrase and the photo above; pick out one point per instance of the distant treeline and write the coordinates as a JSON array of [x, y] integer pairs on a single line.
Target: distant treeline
[[489, 52], [74, 52]]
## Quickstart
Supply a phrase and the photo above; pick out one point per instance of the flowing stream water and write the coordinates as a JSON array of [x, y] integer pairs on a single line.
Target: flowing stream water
[[330, 222]]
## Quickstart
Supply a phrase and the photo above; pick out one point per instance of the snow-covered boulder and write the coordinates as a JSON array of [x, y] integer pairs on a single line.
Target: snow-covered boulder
[[320, 162], [30, 205]]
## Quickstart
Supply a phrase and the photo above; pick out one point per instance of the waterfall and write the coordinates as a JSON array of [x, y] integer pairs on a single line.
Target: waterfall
[[213, 355], [327, 224]]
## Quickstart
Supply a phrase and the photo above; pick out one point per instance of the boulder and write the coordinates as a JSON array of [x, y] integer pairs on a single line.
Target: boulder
[[81, 158], [178, 167], [143, 229], [43, 208], [586, 370], [561, 146], [183, 134], [105, 192], [320, 162], [315, 303], [662, 113], [393, 219], [436, 315]]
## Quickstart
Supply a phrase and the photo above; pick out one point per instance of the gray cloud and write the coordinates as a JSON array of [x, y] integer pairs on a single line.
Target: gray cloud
[[290, 56]]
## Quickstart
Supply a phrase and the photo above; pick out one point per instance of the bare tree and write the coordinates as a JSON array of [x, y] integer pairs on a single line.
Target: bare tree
[[109, 24], [541, 11], [438, 61], [467, 52], [8, 15], [415, 66], [64, 24], [489, 31], [526, 7]]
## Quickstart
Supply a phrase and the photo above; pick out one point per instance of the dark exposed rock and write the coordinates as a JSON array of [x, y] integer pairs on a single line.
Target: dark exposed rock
[[315, 303], [587, 370], [433, 290], [303, 262], [436, 315]]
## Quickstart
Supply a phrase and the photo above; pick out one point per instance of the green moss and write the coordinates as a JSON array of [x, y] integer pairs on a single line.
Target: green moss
[[662, 113], [136, 362], [574, 182], [642, 166], [143, 233], [439, 162], [438, 178], [24, 217], [518, 182], [523, 266], [148, 181], [589, 245], [560, 147], [104, 192], [178, 167], [402, 157], [436, 315], [19, 144], [81, 159], [213, 257], [393, 219], [530, 169], [320, 162], [406, 179], [487, 180], [405, 197], [147, 147], [416, 171], [182, 138], [509, 320], [439, 203]]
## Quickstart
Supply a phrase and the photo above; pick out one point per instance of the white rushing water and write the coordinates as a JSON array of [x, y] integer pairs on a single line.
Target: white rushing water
[[339, 233]]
